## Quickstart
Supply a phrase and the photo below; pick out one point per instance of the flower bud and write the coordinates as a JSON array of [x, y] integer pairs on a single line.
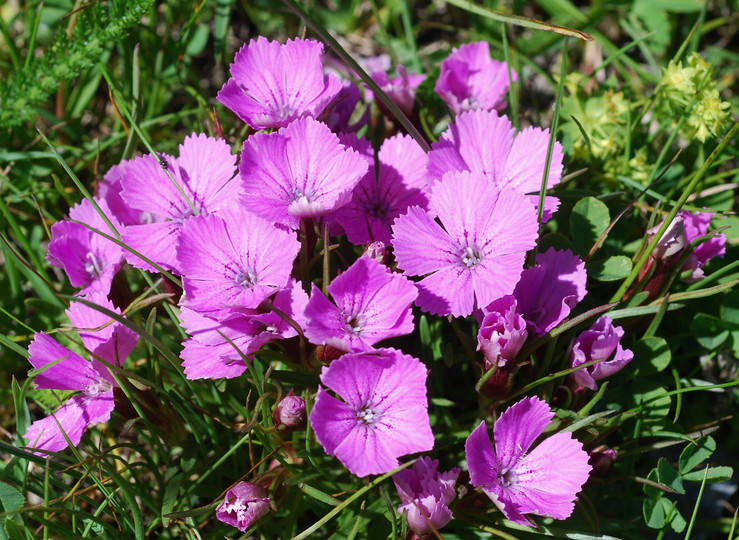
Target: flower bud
[[502, 332], [290, 412]]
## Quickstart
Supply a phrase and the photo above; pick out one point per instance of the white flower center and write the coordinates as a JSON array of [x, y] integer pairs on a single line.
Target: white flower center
[[93, 266], [98, 387], [470, 256], [508, 477], [354, 324], [246, 278], [367, 415]]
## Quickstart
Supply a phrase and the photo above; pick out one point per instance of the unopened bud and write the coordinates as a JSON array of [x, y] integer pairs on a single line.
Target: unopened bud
[[290, 412]]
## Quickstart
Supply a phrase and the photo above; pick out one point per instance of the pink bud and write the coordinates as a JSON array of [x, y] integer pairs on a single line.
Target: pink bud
[[290, 412]]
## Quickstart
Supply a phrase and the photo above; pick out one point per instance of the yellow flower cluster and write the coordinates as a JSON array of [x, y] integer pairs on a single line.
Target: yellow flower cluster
[[676, 90]]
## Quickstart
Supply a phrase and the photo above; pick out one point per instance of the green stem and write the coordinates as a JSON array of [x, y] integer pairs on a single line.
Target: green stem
[[675, 209], [336, 511]]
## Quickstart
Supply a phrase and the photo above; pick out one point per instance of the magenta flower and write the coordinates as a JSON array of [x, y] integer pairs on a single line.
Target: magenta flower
[[110, 189], [371, 304], [382, 413], [102, 336], [203, 172], [696, 225], [89, 259], [338, 113], [502, 332], [233, 260], [520, 480], [216, 346], [470, 79], [483, 142], [476, 255], [243, 504], [301, 171], [549, 290], [386, 192], [273, 84], [69, 371], [425, 495], [400, 89], [601, 342]]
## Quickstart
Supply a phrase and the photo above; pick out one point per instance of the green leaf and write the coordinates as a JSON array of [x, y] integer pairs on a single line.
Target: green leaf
[[715, 475], [198, 41], [678, 6], [589, 219], [319, 495], [695, 454], [669, 476], [170, 496], [677, 521], [653, 400], [94, 526], [610, 269], [708, 331], [10, 498], [651, 355], [654, 512], [730, 307], [13, 530]]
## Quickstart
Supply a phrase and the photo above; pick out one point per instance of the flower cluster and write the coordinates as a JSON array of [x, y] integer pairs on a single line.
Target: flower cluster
[[448, 231]]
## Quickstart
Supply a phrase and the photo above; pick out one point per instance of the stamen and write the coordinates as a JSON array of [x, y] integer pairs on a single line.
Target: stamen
[[354, 324], [93, 266], [246, 278], [471, 257], [368, 415]]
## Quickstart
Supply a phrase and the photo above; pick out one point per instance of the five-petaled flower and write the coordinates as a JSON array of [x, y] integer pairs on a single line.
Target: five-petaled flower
[[520, 480], [382, 413]]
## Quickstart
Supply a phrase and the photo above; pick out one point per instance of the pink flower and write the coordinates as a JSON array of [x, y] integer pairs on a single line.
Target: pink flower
[[69, 371], [400, 89], [543, 481], [477, 253], [203, 172], [273, 84], [216, 346], [110, 189], [599, 342], [382, 413], [483, 142], [385, 192], [425, 495], [470, 79], [371, 304], [547, 292], [243, 504], [301, 171], [233, 260], [89, 259], [696, 225]]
